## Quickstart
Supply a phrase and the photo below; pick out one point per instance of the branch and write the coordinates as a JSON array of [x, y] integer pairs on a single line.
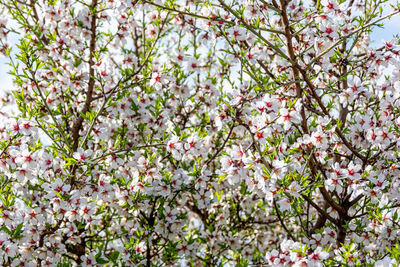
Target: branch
[[321, 211], [281, 221], [348, 35], [89, 93], [221, 147]]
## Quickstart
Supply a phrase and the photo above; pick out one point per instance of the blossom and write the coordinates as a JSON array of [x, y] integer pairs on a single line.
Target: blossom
[[56, 187], [82, 155], [317, 256], [287, 118], [145, 133], [284, 205], [294, 189], [10, 250]]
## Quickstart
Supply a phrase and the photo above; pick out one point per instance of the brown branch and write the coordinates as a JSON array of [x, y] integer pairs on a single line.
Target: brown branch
[[222, 146], [89, 93], [354, 201], [282, 222], [196, 210], [269, 73], [321, 211], [292, 56], [331, 202]]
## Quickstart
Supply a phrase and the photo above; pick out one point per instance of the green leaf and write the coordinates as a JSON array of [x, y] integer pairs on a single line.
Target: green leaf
[[70, 162], [101, 261], [17, 231], [113, 256], [5, 229]]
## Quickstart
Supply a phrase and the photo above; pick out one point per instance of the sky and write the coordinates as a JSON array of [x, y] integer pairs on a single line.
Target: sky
[[392, 27]]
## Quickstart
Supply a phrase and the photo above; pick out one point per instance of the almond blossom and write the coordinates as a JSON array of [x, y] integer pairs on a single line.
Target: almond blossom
[[199, 133]]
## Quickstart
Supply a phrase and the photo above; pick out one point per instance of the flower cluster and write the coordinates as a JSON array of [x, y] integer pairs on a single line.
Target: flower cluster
[[199, 133]]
